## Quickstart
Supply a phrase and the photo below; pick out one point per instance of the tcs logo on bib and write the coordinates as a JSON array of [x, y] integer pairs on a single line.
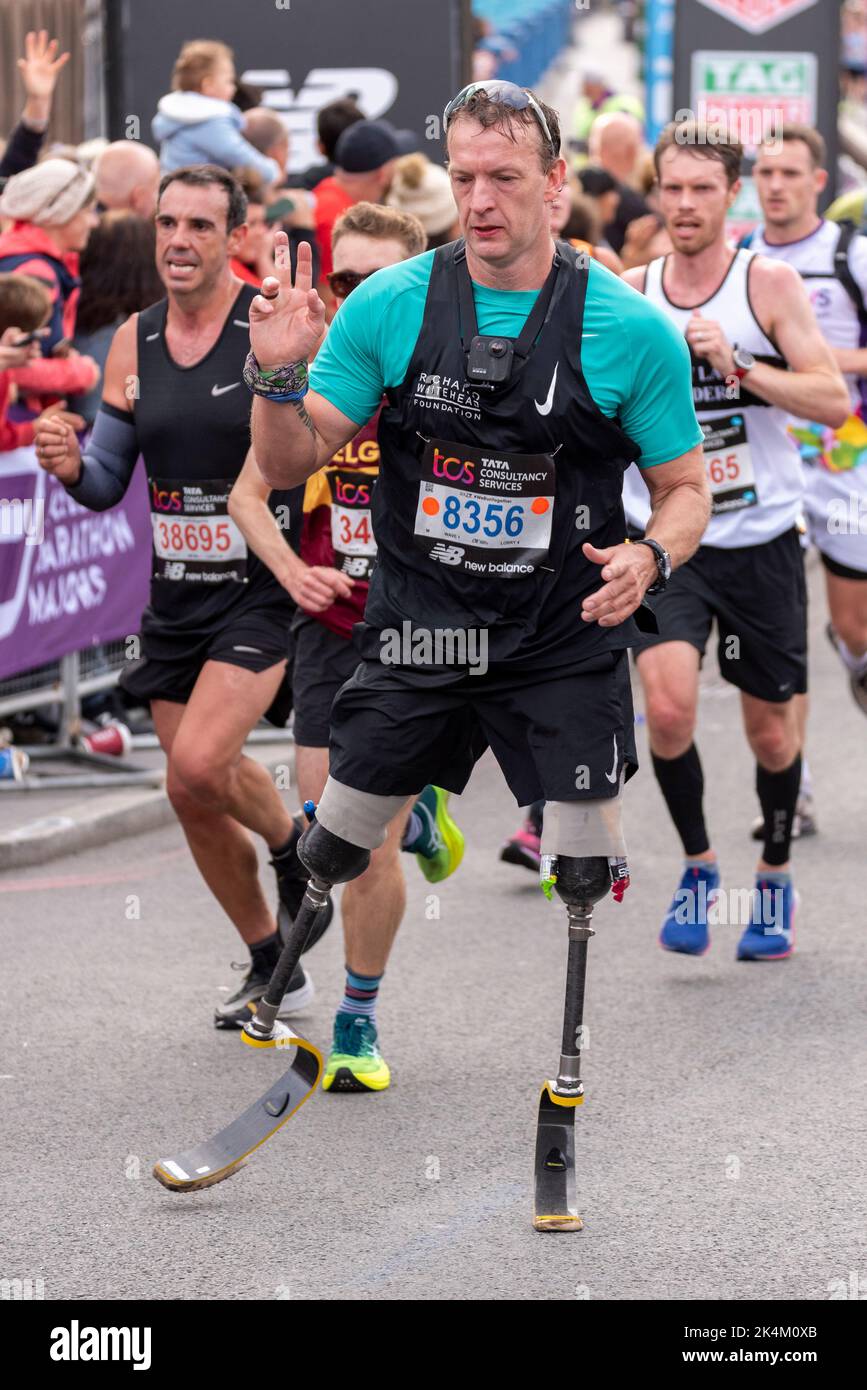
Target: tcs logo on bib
[[165, 501], [454, 470], [352, 494]]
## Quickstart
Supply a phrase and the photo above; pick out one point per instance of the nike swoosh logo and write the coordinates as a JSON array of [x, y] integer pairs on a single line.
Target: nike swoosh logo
[[544, 408], [221, 390], [612, 775]]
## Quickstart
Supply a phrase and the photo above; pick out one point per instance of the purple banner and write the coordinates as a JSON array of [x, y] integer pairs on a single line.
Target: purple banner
[[69, 577]]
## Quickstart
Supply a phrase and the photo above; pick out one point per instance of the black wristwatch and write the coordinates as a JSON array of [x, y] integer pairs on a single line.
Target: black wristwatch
[[663, 564]]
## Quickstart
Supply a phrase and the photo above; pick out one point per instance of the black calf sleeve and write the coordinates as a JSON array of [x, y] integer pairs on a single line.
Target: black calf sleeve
[[681, 782], [778, 797]]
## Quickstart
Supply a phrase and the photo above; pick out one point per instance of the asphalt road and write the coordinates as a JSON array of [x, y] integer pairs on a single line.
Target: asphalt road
[[721, 1147]]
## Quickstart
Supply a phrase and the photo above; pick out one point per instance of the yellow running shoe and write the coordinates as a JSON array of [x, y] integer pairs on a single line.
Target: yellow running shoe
[[355, 1062], [439, 845]]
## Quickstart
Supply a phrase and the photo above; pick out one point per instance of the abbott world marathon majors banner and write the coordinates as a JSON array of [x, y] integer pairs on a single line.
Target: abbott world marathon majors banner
[[397, 59], [69, 577]]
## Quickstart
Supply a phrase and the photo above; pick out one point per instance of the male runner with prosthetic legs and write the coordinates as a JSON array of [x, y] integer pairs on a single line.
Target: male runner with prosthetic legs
[[746, 319], [215, 638], [521, 379]]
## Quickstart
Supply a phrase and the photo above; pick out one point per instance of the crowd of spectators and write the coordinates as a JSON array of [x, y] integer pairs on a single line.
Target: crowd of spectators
[[76, 223]]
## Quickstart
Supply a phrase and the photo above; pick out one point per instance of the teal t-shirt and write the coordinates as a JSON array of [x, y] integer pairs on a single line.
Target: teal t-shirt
[[635, 362]]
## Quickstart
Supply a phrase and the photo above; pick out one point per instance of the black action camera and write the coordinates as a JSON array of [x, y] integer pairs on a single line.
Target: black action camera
[[490, 360]]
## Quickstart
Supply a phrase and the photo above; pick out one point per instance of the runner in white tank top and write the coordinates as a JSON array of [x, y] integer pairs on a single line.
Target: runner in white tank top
[[757, 356], [789, 178]]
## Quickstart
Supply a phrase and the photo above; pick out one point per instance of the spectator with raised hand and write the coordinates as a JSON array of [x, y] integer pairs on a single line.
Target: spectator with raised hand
[[198, 123], [52, 212], [39, 68]]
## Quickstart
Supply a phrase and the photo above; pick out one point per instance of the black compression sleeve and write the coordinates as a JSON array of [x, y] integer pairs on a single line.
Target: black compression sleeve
[[108, 461]]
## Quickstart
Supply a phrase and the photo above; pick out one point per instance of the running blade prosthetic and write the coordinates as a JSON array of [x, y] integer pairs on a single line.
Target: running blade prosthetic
[[555, 1202], [221, 1155], [224, 1153]]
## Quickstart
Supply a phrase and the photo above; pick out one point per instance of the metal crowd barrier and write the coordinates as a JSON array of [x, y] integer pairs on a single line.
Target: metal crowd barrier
[[66, 683]]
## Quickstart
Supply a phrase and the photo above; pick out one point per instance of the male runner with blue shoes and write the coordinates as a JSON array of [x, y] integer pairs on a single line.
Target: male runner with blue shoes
[[757, 357]]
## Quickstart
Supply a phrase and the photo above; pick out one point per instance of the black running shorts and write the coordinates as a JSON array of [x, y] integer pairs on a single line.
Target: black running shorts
[[323, 663], [171, 662], [841, 571], [556, 737], [758, 596]]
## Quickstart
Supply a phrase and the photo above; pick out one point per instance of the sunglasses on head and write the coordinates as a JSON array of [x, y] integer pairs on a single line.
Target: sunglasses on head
[[343, 282], [510, 94]]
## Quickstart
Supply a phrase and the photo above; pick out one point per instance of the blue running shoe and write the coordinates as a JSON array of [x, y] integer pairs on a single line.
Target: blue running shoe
[[685, 925], [771, 931]]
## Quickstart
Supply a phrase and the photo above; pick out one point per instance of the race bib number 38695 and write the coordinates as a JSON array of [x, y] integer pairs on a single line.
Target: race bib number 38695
[[195, 539], [485, 512]]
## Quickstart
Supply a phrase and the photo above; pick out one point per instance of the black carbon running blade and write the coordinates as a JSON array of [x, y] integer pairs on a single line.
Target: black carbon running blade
[[224, 1153], [555, 1203]]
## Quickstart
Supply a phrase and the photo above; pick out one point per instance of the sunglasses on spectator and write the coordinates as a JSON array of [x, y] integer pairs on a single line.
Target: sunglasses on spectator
[[343, 282], [510, 94]]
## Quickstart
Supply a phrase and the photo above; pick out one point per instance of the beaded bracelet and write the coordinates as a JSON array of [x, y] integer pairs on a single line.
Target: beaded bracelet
[[286, 382]]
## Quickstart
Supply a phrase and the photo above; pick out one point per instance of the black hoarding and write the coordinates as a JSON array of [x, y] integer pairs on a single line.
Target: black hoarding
[[753, 62], [399, 59]]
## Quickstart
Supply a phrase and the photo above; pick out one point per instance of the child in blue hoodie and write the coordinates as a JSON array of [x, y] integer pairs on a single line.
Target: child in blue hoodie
[[197, 122]]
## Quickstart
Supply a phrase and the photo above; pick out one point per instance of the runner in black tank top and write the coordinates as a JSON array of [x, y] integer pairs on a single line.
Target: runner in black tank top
[[216, 633], [193, 429]]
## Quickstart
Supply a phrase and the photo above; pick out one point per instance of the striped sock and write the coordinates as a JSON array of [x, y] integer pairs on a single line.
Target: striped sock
[[359, 996]]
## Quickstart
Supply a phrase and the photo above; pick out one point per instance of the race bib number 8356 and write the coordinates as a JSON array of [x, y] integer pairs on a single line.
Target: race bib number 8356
[[486, 513]]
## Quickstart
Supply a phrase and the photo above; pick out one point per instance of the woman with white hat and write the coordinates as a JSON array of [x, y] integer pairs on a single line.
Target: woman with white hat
[[52, 213], [423, 188]]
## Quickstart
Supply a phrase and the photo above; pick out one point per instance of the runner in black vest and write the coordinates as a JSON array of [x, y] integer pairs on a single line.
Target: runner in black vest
[[497, 515], [215, 636]]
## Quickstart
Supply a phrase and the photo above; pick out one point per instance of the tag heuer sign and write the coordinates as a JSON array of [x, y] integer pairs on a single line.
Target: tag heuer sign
[[732, 85], [756, 16]]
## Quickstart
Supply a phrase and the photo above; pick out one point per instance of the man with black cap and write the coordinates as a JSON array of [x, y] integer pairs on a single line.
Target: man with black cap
[[365, 155]]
